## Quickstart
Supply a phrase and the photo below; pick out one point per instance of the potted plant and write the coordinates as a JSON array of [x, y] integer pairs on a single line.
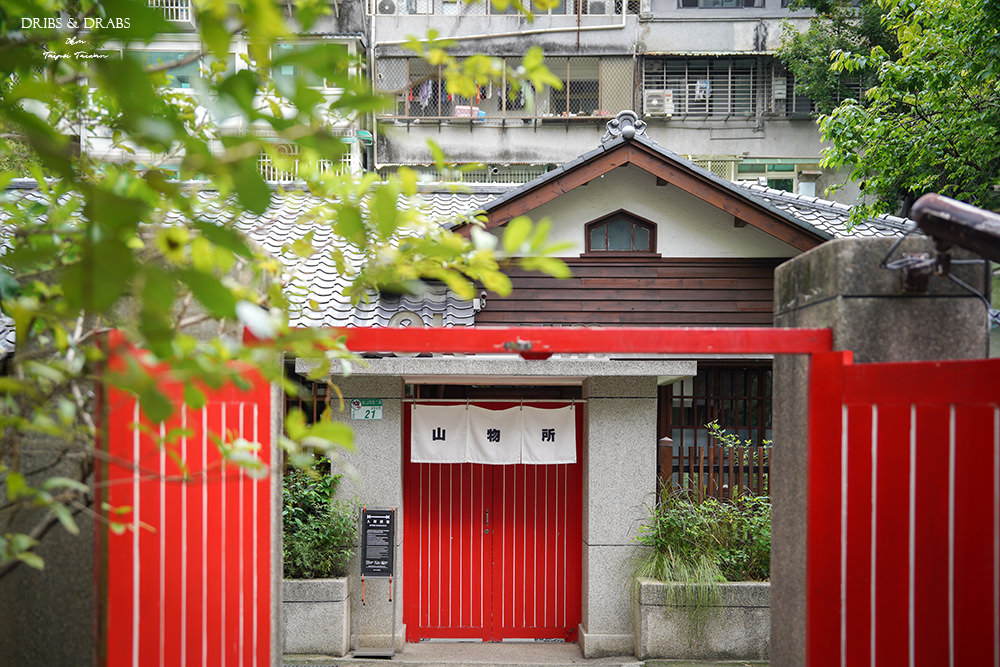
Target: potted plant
[[701, 590], [319, 536]]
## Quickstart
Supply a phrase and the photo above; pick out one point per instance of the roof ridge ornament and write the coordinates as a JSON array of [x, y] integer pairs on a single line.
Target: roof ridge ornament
[[626, 125]]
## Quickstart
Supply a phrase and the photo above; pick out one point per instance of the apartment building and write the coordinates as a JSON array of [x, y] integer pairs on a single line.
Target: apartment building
[[702, 73], [345, 26]]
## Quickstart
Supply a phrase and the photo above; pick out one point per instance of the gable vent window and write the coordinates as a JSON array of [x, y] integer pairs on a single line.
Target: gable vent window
[[621, 232]]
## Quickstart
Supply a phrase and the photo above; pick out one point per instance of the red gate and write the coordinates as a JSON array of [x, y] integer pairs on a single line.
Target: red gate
[[903, 552], [186, 546], [903, 562], [492, 551]]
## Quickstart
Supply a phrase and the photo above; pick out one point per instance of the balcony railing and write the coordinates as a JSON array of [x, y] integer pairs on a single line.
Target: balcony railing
[[177, 11]]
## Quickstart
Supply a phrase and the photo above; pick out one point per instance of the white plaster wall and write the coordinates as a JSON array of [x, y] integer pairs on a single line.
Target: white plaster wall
[[685, 225], [554, 141]]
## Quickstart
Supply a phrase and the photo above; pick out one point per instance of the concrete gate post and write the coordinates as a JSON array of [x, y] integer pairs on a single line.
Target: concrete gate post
[[840, 285], [375, 480], [620, 437]]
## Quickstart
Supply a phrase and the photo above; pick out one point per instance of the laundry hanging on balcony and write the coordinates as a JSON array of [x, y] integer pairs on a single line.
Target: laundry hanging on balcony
[[474, 434]]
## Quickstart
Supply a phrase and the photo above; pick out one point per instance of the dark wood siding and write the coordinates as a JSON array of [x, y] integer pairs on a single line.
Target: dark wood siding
[[640, 292]]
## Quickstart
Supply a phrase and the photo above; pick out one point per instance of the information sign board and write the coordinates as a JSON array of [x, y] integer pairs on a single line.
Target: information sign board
[[378, 539]]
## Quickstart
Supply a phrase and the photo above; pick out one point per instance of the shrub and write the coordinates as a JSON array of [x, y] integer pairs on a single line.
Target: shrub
[[320, 533], [692, 542]]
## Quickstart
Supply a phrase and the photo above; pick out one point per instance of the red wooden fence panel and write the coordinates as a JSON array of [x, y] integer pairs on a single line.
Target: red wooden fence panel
[[187, 574], [903, 554]]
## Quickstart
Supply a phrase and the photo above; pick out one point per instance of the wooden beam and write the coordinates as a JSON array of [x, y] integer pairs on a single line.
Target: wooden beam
[[537, 341], [562, 184]]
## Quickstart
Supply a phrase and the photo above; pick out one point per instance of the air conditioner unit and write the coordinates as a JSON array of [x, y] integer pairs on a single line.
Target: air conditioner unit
[[386, 7], [597, 7], [658, 103]]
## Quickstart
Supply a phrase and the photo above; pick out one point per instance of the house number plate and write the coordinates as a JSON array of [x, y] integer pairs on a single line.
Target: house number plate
[[366, 408]]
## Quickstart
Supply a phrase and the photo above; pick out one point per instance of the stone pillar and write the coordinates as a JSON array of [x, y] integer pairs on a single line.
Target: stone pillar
[[619, 476], [374, 477], [840, 285]]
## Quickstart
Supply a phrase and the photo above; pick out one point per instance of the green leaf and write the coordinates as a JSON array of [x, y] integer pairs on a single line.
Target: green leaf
[[351, 225], [330, 433], [225, 237], [65, 518], [515, 233], [214, 34], [57, 482], [550, 265], [9, 287], [17, 487], [384, 210], [156, 406], [194, 398], [31, 560], [251, 189], [217, 299], [100, 277], [295, 423]]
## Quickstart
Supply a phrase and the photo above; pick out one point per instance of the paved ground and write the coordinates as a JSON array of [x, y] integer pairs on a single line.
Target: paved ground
[[430, 654]]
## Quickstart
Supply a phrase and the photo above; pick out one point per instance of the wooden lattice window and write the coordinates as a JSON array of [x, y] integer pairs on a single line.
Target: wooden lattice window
[[737, 397]]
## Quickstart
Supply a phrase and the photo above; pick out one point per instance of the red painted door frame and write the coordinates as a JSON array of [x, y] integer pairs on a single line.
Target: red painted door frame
[[537, 343]]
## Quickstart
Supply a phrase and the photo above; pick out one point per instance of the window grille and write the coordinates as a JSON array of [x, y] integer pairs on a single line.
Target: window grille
[[620, 232], [592, 88], [721, 167], [725, 88], [178, 11], [737, 397], [713, 87], [501, 175], [720, 4]]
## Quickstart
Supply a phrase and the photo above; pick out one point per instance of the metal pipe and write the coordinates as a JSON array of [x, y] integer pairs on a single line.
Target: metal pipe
[[513, 33], [951, 222]]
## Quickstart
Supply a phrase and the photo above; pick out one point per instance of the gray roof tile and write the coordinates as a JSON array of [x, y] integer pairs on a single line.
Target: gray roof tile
[[829, 216], [314, 287]]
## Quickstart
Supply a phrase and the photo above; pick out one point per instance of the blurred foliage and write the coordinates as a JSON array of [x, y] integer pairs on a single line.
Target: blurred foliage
[[107, 244]]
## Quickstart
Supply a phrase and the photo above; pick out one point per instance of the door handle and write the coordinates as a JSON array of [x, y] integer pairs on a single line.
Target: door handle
[[487, 525]]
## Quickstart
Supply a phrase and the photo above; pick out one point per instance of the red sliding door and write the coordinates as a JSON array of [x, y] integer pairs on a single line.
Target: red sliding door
[[491, 552]]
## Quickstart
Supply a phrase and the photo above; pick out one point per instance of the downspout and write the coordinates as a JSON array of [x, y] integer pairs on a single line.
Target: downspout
[[372, 73]]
